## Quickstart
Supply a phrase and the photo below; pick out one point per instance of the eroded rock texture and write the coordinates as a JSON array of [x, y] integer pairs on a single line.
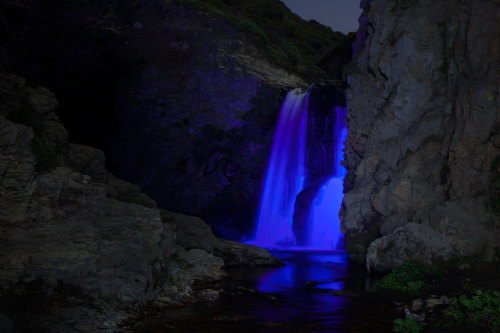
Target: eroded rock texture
[[78, 245], [195, 118], [424, 120], [182, 103]]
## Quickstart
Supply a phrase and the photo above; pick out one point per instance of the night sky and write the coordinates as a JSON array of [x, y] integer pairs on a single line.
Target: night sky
[[341, 15]]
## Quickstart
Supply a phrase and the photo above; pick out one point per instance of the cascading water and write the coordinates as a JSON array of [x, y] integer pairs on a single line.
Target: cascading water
[[324, 215], [276, 224], [285, 174]]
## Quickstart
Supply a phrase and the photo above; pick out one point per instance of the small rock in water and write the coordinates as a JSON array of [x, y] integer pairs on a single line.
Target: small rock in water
[[209, 294], [444, 299], [246, 290], [416, 305], [433, 302], [414, 316], [312, 284], [163, 302]]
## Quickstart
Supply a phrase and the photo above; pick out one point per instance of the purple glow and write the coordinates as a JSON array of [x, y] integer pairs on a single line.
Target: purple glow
[[285, 179], [325, 229], [323, 268], [285, 173]]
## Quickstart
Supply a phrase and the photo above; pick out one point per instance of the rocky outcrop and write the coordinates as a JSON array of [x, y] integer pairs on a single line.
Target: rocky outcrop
[[182, 103], [195, 119], [422, 151], [71, 224], [193, 233]]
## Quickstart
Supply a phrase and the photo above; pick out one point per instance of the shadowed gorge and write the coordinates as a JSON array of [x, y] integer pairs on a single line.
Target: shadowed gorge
[[226, 166]]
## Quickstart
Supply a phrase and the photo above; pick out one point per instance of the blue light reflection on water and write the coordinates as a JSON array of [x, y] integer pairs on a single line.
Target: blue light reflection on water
[[302, 267], [297, 309], [304, 304]]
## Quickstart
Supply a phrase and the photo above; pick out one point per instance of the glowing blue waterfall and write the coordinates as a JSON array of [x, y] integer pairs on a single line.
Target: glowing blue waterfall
[[325, 220], [285, 174], [285, 179]]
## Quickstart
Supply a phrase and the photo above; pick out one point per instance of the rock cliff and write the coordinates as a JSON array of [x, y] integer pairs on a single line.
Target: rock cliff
[[423, 147], [181, 102], [79, 246], [194, 121]]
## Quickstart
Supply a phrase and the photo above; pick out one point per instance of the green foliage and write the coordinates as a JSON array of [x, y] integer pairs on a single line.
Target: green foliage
[[45, 154], [276, 55], [406, 326], [181, 263], [292, 53], [281, 36], [410, 277], [482, 308]]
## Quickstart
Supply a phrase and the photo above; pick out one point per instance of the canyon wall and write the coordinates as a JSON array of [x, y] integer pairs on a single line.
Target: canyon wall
[[196, 119], [423, 147], [181, 102], [79, 247]]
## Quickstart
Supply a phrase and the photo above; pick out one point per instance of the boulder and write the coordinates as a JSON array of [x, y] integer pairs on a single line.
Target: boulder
[[193, 233]]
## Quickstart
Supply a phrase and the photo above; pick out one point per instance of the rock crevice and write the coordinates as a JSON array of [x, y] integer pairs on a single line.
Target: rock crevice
[[423, 111]]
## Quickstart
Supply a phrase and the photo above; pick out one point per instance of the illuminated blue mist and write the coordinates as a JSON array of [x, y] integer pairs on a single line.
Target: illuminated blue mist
[[285, 180]]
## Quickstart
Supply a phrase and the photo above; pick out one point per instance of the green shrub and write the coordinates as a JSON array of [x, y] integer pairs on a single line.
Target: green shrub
[[45, 154], [181, 263], [292, 53], [481, 308], [281, 36], [411, 277], [406, 326], [277, 56]]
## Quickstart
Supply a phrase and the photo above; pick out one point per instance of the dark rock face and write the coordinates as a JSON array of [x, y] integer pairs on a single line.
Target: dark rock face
[[6, 325], [189, 117], [321, 140], [182, 104], [302, 214], [423, 124], [75, 225]]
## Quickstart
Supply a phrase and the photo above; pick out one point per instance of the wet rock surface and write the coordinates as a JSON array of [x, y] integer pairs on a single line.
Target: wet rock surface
[[423, 120]]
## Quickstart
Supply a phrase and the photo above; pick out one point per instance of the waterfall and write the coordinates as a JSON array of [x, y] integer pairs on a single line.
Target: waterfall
[[277, 226], [324, 215], [285, 174]]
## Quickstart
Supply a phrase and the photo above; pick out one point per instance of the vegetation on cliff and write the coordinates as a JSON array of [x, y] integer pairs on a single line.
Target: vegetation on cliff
[[284, 38]]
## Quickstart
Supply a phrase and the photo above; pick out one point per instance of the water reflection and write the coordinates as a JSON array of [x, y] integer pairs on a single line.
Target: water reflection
[[295, 305], [304, 285], [326, 269]]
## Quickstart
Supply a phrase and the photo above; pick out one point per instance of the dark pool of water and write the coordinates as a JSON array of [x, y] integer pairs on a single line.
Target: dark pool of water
[[283, 299]]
